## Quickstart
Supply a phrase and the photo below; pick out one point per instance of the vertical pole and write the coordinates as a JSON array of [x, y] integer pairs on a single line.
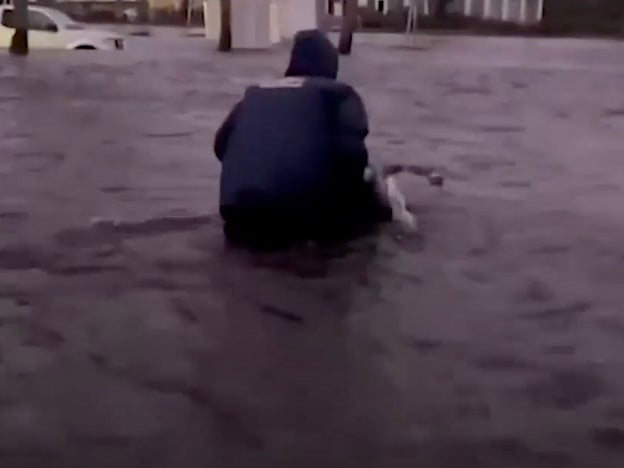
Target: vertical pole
[[505, 10], [19, 41], [225, 35], [425, 8], [467, 7], [349, 22]]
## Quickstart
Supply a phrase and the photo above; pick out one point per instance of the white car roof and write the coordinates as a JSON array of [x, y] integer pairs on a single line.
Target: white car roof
[[34, 6], [57, 16]]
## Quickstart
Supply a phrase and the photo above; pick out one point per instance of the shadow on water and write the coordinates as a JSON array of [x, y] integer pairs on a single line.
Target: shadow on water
[[296, 327], [284, 358]]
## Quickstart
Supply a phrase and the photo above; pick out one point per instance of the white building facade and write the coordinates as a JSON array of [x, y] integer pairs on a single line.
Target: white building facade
[[518, 11], [258, 24]]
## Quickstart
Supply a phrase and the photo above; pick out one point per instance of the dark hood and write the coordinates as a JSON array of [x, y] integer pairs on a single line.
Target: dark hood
[[313, 54]]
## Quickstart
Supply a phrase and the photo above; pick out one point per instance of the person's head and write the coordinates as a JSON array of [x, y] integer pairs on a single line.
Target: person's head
[[313, 54]]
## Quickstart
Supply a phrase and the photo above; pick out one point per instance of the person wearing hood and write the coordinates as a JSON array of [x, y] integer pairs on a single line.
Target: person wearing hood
[[293, 154]]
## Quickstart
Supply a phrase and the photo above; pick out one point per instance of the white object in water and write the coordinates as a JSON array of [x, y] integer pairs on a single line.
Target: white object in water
[[400, 213]]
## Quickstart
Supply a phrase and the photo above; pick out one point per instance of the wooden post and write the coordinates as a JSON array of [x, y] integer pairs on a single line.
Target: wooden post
[[349, 21], [225, 36], [19, 41]]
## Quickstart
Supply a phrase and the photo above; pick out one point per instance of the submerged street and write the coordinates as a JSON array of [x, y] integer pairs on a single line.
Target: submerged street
[[130, 335]]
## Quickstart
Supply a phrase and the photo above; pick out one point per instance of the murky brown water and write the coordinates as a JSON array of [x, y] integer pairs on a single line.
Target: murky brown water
[[495, 340]]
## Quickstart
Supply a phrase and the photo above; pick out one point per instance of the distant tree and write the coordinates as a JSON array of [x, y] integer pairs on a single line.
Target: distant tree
[[349, 23], [19, 41], [225, 36]]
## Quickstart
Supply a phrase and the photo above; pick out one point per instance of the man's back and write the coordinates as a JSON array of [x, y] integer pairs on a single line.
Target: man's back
[[282, 148], [290, 145]]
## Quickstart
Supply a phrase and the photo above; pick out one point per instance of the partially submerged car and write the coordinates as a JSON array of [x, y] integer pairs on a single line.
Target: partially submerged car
[[49, 28]]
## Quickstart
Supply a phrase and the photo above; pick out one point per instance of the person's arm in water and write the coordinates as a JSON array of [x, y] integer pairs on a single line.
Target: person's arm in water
[[223, 134], [352, 130]]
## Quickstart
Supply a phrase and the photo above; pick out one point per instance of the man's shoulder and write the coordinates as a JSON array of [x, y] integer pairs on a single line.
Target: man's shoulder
[[301, 81], [287, 82]]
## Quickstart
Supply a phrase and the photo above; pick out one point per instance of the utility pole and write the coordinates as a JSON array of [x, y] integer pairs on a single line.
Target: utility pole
[[19, 41], [349, 22], [225, 37]]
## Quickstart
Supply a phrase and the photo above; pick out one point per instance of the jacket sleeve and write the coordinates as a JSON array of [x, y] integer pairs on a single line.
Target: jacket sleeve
[[352, 130], [225, 131]]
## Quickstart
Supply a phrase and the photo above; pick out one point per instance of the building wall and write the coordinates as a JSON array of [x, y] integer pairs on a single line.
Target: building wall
[[513, 12], [477, 7], [296, 15], [388, 5]]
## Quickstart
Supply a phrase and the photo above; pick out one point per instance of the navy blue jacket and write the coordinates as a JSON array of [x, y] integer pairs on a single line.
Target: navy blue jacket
[[294, 145]]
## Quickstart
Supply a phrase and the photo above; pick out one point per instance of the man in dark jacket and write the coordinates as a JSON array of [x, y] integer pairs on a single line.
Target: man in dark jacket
[[293, 154]]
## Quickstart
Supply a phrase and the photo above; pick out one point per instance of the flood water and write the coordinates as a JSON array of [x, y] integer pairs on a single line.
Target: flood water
[[130, 335]]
